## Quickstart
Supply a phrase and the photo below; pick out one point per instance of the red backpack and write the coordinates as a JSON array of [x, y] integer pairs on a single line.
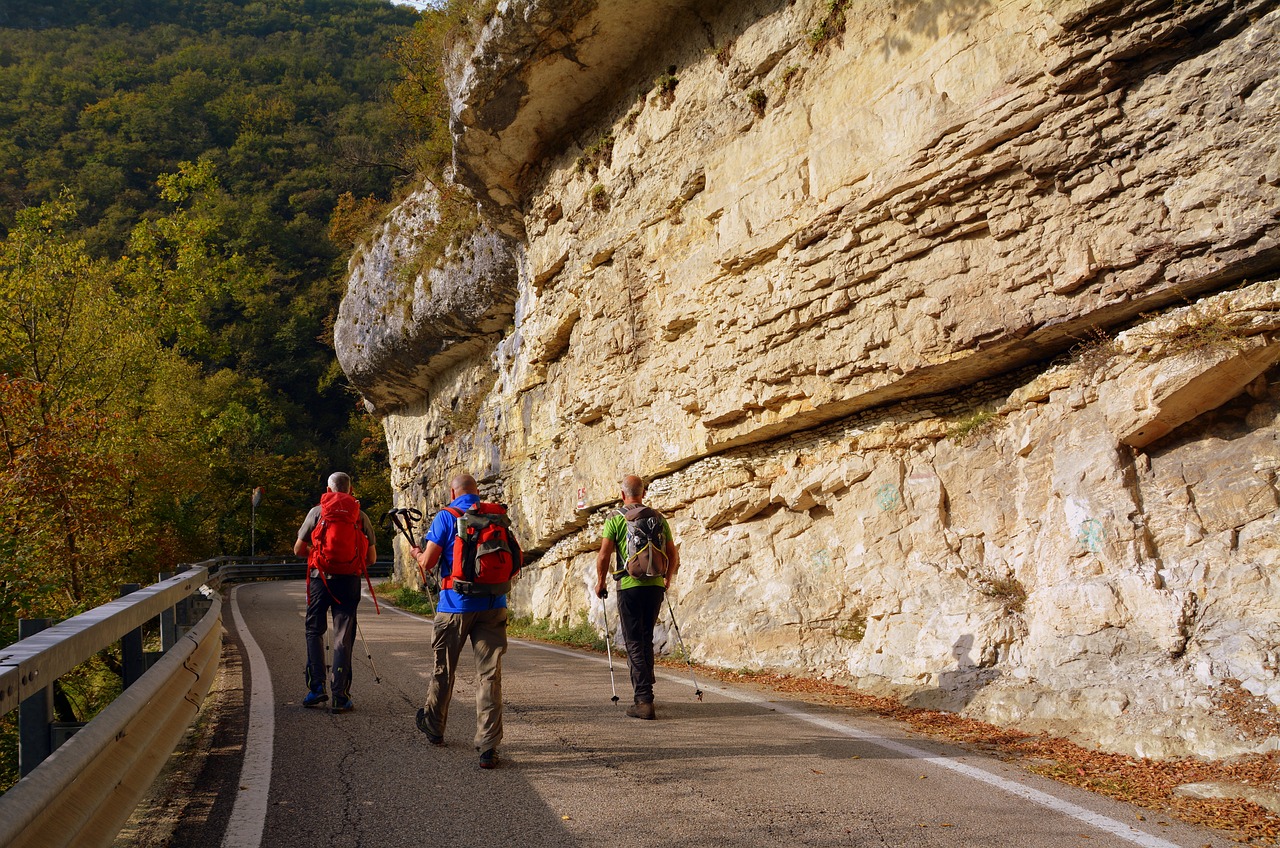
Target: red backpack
[[485, 553], [338, 544]]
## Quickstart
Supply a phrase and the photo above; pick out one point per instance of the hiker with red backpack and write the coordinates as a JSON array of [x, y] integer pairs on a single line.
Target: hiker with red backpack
[[638, 542], [471, 542], [338, 541]]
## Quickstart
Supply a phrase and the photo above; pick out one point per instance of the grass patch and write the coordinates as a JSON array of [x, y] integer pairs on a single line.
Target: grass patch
[[406, 597], [757, 100], [971, 426], [581, 634]]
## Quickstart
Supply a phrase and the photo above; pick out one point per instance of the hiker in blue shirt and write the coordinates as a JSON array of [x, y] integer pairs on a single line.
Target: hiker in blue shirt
[[482, 618]]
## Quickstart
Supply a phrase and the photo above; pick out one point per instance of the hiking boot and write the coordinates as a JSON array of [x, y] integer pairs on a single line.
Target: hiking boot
[[489, 759], [314, 699], [422, 725], [643, 709], [342, 705]]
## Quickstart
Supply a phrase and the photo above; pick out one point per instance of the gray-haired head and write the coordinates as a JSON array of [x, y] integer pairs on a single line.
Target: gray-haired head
[[632, 487], [340, 481]]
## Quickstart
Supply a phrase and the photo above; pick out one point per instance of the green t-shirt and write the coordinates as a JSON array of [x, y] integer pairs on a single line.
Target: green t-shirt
[[616, 529]]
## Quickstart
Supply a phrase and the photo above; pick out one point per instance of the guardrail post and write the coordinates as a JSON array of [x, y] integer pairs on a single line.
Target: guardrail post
[[168, 622], [133, 661], [35, 713]]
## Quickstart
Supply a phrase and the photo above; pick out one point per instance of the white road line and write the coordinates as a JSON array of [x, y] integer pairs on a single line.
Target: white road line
[[1104, 823], [249, 814]]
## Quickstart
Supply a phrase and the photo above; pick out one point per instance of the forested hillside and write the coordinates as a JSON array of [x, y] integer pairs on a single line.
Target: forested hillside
[[180, 183]]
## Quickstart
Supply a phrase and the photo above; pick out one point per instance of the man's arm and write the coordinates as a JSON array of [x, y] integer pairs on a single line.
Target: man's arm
[[602, 565], [367, 526], [302, 547], [426, 557], [673, 562]]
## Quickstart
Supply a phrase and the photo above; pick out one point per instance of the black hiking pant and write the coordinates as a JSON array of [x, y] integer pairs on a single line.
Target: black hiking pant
[[339, 593], [638, 607]]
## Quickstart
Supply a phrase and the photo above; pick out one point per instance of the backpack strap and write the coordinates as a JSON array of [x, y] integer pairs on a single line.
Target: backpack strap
[[621, 570], [452, 551]]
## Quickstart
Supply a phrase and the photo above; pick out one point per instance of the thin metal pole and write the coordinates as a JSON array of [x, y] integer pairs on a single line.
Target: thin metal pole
[[608, 649], [35, 713], [131, 656]]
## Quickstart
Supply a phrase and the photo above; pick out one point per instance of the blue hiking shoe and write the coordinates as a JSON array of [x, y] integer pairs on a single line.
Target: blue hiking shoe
[[342, 705], [314, 699]]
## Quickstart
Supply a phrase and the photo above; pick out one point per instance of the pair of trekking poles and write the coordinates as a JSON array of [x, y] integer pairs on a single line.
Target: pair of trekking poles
[[608, 648]]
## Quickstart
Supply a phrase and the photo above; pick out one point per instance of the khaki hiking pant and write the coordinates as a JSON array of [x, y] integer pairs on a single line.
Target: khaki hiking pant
[[487, 631]]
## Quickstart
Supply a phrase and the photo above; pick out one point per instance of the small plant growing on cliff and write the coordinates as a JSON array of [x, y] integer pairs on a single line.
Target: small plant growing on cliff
[[1011, 594], [1203, 331], [666, 86], [831, 26], [790, 75], [598, 197], [1095, 349], [723, 53], [757, 100], [599, 154], [855, 629], [971, 426]]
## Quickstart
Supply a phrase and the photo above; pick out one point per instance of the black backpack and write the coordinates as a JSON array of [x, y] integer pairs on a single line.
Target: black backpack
[[647, 542]]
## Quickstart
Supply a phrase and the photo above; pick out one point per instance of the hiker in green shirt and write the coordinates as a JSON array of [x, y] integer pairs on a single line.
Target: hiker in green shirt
[[639, 543]]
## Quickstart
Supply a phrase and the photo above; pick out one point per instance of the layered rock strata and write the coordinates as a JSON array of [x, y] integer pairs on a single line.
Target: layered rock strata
[[848, 291]]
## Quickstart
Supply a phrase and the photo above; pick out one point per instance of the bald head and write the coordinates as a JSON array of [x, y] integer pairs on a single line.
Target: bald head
[[632, 488], [463, 484], [340, 481]]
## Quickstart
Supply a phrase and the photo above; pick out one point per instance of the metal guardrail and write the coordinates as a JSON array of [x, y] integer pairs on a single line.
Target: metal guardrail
[[26, 667], [236, 571], [85, 790]]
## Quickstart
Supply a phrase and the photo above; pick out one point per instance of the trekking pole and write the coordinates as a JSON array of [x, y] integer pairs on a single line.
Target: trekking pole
[[365, 642], [608, 649], [696, 690]]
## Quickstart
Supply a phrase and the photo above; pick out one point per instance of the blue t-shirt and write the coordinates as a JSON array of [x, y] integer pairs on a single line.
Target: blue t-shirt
[[443, 530]]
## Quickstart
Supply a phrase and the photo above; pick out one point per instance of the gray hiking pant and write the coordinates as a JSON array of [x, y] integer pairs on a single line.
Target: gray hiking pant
[[487, 630], [341, 596]]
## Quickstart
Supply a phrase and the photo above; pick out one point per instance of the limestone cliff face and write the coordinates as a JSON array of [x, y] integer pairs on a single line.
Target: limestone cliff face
[[946, 334]]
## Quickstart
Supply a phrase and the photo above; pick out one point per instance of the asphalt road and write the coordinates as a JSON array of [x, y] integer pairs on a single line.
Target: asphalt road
[[743, 768]]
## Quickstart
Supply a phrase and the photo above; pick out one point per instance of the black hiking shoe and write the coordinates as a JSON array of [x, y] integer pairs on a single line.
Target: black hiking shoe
[[342, 705], [489, 759], [422, 725], [643, 709]]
